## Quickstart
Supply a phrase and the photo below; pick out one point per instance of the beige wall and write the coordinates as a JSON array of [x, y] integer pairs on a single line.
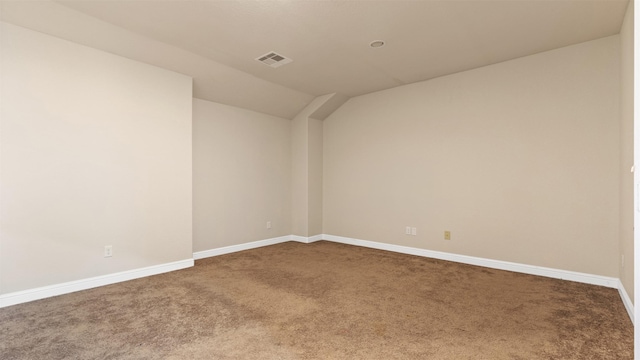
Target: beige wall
[[95, 150], [315, 176], [523, 161], [300, 174], [626, 153], [519, 160], [241, 175], [306, 167]]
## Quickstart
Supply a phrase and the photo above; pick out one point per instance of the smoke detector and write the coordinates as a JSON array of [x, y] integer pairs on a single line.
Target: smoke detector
[[273, 59]]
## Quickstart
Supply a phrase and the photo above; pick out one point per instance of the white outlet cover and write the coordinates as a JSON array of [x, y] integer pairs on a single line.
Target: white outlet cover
[[414, 231], [407, 230]]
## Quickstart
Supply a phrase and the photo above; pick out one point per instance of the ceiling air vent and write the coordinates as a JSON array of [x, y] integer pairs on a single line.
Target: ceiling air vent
[[273, 59]]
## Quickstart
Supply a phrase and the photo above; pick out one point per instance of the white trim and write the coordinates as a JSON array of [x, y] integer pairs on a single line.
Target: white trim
[[20, 297], [73, 286], [252, 245], [626, 300], [489, 263], [298, 238], [306, 240], [241, 247], [498, 264]]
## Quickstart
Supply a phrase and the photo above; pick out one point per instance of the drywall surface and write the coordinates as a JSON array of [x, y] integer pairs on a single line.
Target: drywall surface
[[626, 152], [241, 176], [300, 174], [519, 160], [95, 150], [306, 168], [315, 176]]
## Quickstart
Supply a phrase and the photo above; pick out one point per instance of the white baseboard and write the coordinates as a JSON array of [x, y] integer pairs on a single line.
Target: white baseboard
[[302, 239], [69, 287], [315, 238], [84, 284], [241, 247], [626, 300], [489, 263], [610, 282], [253, 245], [306, 240], [464, 259]]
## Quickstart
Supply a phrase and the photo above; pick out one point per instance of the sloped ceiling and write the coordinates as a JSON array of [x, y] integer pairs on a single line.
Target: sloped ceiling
[[216, 42]]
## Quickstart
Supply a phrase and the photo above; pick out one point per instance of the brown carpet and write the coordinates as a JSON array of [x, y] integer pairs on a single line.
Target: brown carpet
[[324, 301]]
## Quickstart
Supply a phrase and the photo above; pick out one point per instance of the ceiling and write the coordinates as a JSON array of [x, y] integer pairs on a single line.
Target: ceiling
[[216, 42]]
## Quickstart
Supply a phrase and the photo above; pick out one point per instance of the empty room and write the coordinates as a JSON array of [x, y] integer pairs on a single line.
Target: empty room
[[438, 179]]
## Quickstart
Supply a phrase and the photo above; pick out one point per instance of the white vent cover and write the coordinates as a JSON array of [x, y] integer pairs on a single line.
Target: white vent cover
[[273, 59]]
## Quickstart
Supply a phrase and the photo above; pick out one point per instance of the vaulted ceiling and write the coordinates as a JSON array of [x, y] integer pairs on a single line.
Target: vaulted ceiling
[[216, 42]]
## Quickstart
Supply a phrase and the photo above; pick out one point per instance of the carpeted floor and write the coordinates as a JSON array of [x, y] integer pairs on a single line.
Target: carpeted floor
[[324, 301]]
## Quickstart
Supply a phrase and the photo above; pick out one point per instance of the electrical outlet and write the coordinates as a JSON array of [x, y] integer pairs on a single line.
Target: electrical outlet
[[268, 224], [447, 235], [108, 251], [407, 230], [414, 231], [622, 260]]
